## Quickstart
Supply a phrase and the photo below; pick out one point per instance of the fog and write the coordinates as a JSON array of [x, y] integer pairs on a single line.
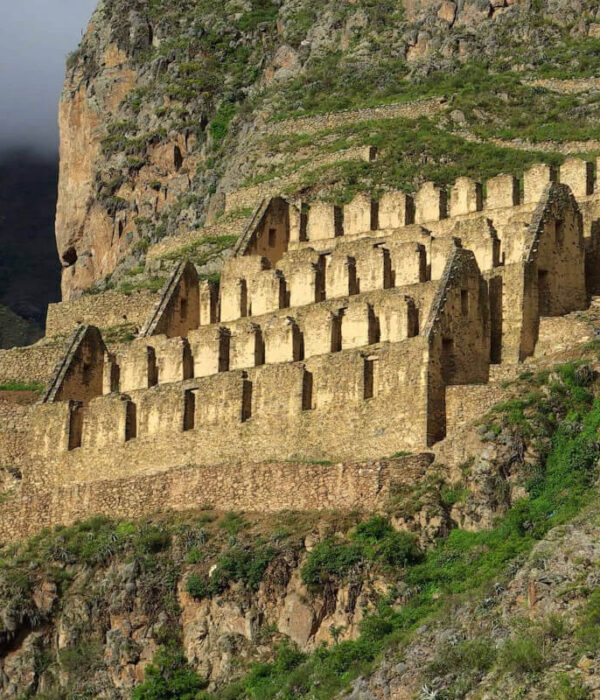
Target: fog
[[35, 38]]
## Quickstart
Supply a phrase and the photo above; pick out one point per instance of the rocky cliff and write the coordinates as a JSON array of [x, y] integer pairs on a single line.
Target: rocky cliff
[[167, 107]]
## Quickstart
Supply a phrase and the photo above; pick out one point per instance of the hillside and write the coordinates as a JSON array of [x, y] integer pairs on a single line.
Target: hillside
[[168, 108], [183, 374]]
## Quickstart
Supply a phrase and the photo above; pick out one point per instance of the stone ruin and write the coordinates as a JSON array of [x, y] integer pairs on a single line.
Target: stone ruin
[[334, 333]]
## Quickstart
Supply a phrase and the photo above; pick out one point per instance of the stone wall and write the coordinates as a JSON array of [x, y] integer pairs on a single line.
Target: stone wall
[[352, 404], [177, 244], [250, 196], [264, 487], [30, 365], [323, 122], [468, 402], [104, 310], [14, 433]]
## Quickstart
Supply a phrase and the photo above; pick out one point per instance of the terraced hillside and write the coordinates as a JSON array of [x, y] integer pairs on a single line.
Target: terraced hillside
[[169, 108]]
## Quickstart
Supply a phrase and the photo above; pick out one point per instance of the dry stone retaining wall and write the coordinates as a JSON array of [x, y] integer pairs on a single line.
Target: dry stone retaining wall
[[265, 487], [323, 122], [249, 196], [103, 310], [31, 365]]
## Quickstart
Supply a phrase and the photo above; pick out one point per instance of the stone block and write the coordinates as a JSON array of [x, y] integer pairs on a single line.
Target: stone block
[[340, 275], [408, 263], [502, 192], [268, 292], [535, 181], [137, 366], [283, 341], [209, 302], [359, 326], [210, 348], [304, 272], [247, 346], [466, 197], [360, 215], [373, 269], [396, 209], [578, 174], [431, 203], [324, 221]]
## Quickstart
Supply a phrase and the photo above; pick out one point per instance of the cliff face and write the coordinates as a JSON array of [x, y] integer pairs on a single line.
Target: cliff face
[[164, 104]]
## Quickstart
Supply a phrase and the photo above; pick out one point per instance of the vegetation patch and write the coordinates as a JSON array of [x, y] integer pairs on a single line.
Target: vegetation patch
[[22, 386]]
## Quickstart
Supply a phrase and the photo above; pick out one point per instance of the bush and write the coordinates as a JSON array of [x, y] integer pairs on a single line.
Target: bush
[[399, 549], [523, 654], [372, 531], [153, 539], [471, 655], [243, 565], [570, 688], [330, 559], [383, 543], [81, 657], [588, 631], [220, 124], [197, 586], [232, 523], [169, 676]]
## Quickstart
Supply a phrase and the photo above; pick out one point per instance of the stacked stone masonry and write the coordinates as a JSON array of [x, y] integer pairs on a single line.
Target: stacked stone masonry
[[336, 333]]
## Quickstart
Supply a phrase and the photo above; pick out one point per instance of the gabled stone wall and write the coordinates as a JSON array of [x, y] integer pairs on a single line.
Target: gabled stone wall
[[336, 333]]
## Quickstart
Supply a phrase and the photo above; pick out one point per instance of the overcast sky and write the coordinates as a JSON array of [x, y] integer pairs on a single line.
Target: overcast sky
[[35, 38]]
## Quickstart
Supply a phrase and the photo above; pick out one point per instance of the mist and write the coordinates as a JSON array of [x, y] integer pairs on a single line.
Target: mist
[[35, 38]]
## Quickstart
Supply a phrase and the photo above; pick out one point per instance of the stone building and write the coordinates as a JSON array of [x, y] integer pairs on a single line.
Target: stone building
[[334, 335]]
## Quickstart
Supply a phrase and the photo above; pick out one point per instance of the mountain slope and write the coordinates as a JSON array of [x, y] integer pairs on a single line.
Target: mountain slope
[[167, 108]]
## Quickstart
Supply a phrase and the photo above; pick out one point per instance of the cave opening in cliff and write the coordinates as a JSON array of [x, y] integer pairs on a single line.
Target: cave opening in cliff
[[69, 257], [177, 158]]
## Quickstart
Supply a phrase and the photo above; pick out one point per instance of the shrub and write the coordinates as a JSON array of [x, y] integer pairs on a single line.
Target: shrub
[[232, 523], [372, 531], [220, 124], [471, 655], [153, 539], [522, 654], [399, 549], [194, 556], [169, 676], [588, 631], [330, 559], [81, 657], [374, 628], [384, 544], [246, 566], [197, 586], [568, 688]]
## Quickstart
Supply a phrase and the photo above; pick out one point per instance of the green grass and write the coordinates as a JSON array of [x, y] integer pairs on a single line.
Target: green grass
[[411, 152], [22, 386], [152, 284], [204, 250]]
